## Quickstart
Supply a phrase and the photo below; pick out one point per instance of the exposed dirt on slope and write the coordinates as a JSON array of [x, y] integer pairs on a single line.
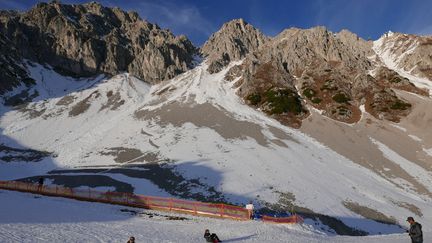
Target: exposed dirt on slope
[[114, 101], [205, 115], [369, 213], [354, 142], [411, 207], [129, 155], [83, 105], [66, 100]]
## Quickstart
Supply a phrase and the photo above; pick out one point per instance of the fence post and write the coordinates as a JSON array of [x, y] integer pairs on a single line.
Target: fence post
[[146, 204], [171, 203], [195, 208], [222, 210]]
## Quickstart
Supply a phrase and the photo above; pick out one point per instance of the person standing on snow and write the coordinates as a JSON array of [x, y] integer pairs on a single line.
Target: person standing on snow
[[40, 183], [131, 240], [250, 208], [415, 231]]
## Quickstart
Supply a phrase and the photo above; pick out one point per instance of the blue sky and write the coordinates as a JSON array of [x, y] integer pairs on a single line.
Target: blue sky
[[199, 19]]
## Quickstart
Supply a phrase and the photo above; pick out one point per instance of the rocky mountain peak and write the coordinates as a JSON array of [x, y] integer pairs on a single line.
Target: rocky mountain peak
[[329, 71], [87, 39], [233, 41]]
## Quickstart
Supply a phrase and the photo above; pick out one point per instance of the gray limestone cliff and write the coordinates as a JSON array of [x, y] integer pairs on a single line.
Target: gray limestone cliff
[[315, 67], [88, 39], [283, 76], [232, 42]]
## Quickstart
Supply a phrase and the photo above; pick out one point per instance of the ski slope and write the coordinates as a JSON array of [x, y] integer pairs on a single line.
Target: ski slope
[[48, 219]]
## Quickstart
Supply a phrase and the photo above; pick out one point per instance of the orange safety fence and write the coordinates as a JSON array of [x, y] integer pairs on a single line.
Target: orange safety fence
[[219, 210], [294, 219]]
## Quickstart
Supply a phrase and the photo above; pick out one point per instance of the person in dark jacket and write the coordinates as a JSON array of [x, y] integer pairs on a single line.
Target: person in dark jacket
[[211, 237], [131, 240], [415, 231], [40, 183]]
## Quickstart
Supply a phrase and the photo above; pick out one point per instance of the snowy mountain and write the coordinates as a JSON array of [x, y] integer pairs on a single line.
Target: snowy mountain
[[325, 124]]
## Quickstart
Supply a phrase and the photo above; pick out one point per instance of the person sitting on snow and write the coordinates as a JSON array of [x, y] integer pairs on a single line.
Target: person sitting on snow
[[211, 237]]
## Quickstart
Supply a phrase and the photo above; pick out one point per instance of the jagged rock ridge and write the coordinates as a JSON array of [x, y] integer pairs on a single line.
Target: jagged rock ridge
[[336, 73], [328, 71], [232, 42], [88, 39], [12, 72]]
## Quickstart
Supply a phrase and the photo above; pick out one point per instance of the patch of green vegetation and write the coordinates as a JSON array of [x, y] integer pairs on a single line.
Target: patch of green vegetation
[[400, 105], [341, 98], [316, 100], [254, 98], [309, 93], [395, 80], [283, 100], [342, 110]]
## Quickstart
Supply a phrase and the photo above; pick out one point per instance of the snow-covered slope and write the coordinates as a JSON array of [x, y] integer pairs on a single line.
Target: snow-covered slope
[[64, 220], [193, 137]]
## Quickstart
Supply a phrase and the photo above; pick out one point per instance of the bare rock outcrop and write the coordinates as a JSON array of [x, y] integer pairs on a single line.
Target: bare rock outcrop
[[12, 71], [89, 38], [391, 79], [411, 53], [329, 71], [316, 65], [232, 42]]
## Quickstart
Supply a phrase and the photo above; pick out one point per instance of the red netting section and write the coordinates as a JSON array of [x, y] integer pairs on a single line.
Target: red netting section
[[294, 219], [128, 199]]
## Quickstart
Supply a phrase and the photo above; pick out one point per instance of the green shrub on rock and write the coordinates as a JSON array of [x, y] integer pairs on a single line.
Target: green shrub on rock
[[341, 98], [283, 100], [254, 98]]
